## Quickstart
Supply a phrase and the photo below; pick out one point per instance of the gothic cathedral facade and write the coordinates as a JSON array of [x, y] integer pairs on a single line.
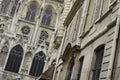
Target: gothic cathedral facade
[[26, 29]]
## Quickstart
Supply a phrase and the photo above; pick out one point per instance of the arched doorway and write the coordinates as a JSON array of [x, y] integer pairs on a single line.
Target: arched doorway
[[37, 64], [14, 59]]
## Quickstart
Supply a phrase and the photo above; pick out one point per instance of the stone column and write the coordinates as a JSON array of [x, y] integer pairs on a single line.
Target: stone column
[[36, 32], [16, 16]]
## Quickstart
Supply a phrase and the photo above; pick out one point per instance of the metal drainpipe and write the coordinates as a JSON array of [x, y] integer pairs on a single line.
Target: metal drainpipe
[[110, 67]]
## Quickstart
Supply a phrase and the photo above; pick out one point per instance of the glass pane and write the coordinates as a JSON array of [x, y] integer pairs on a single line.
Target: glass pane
[[14, 7], [48, 11], [33, 6], [44, 20], [15, 58], [47, 17], [80, 68], [5, 6], [48, 20], [30, 16], [98, 63]]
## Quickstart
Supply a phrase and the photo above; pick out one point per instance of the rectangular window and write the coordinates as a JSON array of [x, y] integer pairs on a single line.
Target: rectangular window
[[80, 68], [70, 69], [98, 63], [79, 21], [74, 26], [97, 10]]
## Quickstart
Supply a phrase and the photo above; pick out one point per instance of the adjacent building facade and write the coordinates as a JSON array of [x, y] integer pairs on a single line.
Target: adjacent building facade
[[26, 29], [74, 39], [89, 46]]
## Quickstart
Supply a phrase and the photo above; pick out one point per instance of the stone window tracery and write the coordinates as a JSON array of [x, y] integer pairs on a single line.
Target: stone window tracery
[[47, 16], [15, 58], [15, 4], [43, 36], [25, 30], [5, 6], [4, 49], [30, 16], [37, 64]]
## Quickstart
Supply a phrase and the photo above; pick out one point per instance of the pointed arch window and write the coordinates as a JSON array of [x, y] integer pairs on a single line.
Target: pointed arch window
[[30, 16], [5, 6], [47, 16], [37, 64], [15, 4], [15, 58]]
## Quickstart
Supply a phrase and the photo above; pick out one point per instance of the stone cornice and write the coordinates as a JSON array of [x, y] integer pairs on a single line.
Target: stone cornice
[[72, 12]]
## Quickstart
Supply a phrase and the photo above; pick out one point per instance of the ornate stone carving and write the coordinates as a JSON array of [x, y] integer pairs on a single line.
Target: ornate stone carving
[[4, 49], [1, 31], [25, 30]]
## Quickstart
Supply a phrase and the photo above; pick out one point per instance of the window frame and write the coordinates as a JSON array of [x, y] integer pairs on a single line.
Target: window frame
[[39, 58], [14, 6], [95, 18], [81, 61], [47, 16], [43, 36], [15, 58], [29, 14], [112, 2], [5, 5], [99, 55], [70, 68]]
